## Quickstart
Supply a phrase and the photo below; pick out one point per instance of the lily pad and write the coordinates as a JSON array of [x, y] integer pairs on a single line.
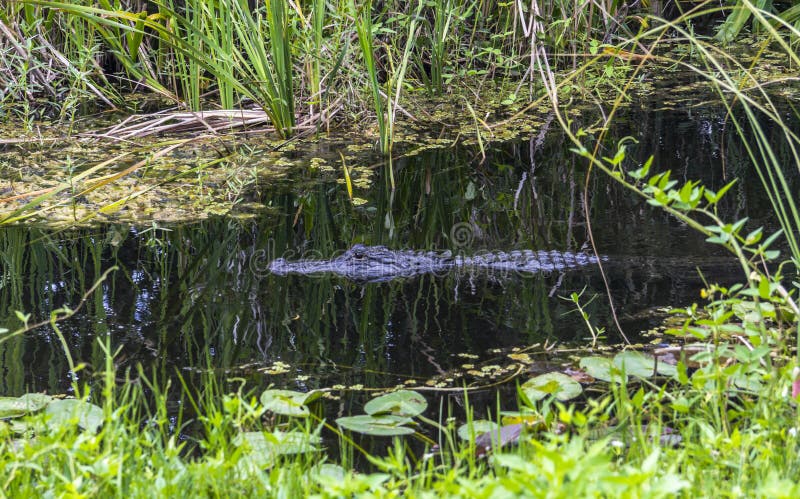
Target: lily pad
[[601, 368], [66, 411], [13, 407], [264, 447], [285, 402], [635, 363], [479, 427], [378, 426], [665, 369], [406, 403], [22, 426], [557, 384]]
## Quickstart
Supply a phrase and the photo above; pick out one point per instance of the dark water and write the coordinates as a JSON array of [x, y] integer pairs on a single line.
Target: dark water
[[194, 298]]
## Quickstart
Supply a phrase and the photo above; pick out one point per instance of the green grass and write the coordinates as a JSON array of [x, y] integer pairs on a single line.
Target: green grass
[[731, 404], [282, 56], [366, 40], [719, 440]]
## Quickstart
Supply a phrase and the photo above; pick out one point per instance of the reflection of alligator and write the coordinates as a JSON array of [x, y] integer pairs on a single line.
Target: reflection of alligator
[[378, 263]]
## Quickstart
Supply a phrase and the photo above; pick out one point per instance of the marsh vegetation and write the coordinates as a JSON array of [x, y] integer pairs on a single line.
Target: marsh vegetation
[[157, 156]]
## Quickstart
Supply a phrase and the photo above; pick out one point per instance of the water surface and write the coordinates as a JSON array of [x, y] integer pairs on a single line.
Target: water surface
[[194, 298]]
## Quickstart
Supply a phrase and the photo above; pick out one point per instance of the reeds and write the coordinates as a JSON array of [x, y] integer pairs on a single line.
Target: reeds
[[228, 53], [268, 74], [286, 58], [444, 13], [366, 40]]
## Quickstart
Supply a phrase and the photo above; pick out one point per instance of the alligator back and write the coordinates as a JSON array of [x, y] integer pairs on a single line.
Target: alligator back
[[379, 263]]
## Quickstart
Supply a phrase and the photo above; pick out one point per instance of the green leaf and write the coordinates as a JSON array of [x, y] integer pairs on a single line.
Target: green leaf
[[23, 318], [373, 480], [665, 369], [285, 402], [517, 463], [470, 193], [618, 157], [652, 181], [754, 237], [664, 183], [13, 407], [721, 239], [749, 382], [278, 442], [406, 403], [764, 288], [738, 225], [313, 395], [682, 373], [557, 384], [70, 411], [771, 239], [736, 21], [635, 363], [581, 152], [378, 426], [682, 405], [643, 171], [601, 368], [685, 192], [722, 191]]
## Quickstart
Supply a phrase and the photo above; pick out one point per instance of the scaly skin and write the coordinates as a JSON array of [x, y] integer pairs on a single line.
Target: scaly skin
[[378, 263]]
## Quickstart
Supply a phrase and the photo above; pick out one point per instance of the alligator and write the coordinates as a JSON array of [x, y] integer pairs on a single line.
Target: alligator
[[379, 263]]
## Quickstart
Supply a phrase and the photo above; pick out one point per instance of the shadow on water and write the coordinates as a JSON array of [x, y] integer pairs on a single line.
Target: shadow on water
[[196, 297]]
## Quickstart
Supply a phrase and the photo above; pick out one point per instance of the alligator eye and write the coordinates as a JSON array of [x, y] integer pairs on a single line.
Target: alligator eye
[[358, 254]]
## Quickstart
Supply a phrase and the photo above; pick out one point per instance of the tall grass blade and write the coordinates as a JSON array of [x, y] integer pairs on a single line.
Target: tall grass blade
[[363, 17], [736, 21]]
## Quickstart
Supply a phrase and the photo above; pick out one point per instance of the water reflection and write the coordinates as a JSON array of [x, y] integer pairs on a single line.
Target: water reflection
[[188, 298]]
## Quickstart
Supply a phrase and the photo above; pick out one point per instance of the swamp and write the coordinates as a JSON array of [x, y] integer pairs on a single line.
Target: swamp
[[439, 248]]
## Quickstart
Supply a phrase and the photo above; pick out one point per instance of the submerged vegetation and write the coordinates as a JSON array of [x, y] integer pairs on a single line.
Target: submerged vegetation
[[710, 410]]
